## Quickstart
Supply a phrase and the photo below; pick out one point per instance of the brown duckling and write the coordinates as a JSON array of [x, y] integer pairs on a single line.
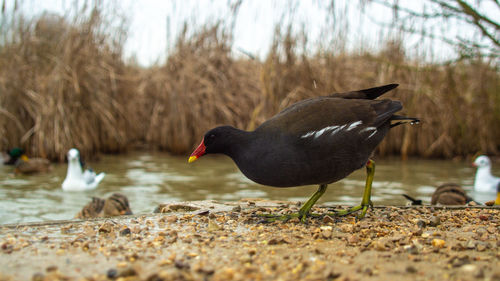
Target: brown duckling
[[450, 194], [445, 194], [116, 205]]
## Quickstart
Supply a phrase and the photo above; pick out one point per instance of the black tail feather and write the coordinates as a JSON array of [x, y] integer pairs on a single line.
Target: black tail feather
[[371, 93], [413, 200]]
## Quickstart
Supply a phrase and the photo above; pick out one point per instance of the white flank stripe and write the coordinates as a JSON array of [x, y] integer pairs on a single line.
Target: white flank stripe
[[322, 131], [308, 134], [354, 125], [368, 129], [371, 135], [338, 130]]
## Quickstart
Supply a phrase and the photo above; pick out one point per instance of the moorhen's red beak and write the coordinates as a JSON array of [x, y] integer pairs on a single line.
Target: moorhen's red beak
[[198, 152]]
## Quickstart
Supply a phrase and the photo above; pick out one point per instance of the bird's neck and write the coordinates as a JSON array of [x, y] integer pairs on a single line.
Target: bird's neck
[[74, 169], [239, 143], [483, 171]]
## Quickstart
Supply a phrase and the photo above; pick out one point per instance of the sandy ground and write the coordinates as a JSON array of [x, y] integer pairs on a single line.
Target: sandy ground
[[216, 241]]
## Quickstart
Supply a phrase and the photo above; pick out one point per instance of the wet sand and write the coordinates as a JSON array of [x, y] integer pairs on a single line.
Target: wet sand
[[227, 241]]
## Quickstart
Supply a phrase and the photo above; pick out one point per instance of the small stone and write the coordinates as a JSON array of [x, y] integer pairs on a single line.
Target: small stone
[[127, 272], [37, 277], [411, 249], [181, 265], [471, 245], [484, 217], [421, 223], [438, 243], [125, 231], [481, 246], [213, 226], [353, 239], [203, 213], [106, 227], [328, 219], [171, 219], [112, 273], [346, 228], [237, 209], [473, 270], [51, 268], [457, 261], [435, 221], [379, 245], [276, 241], [411, 269], [327, 234]]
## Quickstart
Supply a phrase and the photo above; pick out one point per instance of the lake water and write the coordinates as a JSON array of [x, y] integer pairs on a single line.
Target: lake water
[[149, 179]]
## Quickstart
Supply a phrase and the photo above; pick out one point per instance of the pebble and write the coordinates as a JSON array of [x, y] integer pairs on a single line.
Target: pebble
[[226, 245], [435, 221], [327, 233], [125, 231], [458, 261], [421, 223], [213, 226], [112, 273], [411, 269], [328, 219], [353, 239], [106, 227], [438, 243], [472, 270]]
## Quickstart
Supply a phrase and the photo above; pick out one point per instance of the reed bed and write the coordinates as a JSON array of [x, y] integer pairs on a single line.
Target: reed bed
[[64, 84]]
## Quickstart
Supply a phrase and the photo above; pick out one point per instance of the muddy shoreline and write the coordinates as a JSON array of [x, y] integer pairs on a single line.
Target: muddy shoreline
[[208, 240]]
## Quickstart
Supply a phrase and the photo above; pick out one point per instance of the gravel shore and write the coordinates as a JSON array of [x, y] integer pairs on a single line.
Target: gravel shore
[[227, 241]]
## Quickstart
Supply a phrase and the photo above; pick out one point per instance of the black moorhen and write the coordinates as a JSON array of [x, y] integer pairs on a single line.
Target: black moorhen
[[315, 141]]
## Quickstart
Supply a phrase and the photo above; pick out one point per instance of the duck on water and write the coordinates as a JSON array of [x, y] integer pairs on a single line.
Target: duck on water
[[77, 179]]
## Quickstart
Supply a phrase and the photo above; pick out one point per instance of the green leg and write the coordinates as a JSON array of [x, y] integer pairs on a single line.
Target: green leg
[[366, 201], [304, 210], [308, 205]]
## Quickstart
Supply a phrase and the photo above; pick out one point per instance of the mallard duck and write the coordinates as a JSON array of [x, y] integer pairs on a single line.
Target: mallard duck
[[25, 165], [115, 205], [445, 194], [484, 181], [76, 179]]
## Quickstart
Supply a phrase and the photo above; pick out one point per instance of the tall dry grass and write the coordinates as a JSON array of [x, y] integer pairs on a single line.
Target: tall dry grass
[[64, 84], [199, 86]]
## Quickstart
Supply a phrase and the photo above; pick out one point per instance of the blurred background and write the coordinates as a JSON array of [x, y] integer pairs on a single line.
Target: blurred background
[[115, 77]]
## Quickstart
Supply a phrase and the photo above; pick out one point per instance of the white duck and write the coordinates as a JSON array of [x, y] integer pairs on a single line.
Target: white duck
[[484, 181], [76, 179]]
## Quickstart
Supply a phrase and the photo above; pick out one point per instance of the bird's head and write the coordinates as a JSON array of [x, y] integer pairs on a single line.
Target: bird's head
[[482, 161], [216, 140], [73, 155]]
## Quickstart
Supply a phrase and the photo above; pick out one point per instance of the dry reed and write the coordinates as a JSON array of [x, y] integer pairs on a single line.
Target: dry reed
[[63, 86]]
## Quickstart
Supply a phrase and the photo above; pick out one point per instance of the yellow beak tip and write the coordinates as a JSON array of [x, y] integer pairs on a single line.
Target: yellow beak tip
[[192, 159]]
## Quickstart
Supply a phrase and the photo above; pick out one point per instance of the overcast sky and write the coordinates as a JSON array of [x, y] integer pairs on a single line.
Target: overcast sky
[[254, 26]]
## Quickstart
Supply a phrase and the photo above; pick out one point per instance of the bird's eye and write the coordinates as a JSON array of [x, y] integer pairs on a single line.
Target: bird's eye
[[212, 136]]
